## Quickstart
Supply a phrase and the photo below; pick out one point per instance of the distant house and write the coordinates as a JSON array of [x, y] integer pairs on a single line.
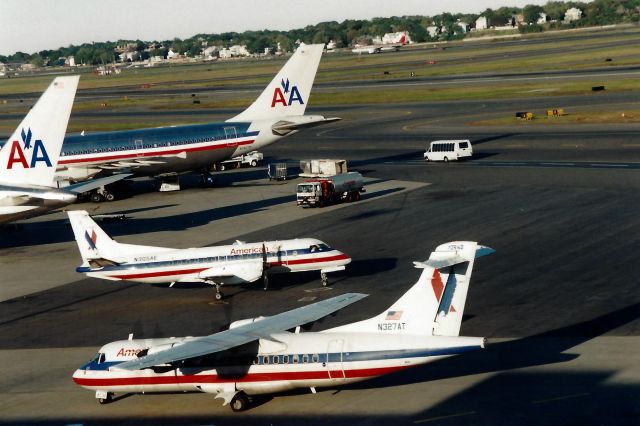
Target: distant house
[[434, 31], [129, 56], [464, 27], [573, 14], [482, 23], [172, 55], [70, 61], [234, 51], [211, 52], [542, 19]]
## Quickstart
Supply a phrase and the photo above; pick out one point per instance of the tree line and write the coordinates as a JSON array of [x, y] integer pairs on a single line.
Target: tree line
[[346, 33]]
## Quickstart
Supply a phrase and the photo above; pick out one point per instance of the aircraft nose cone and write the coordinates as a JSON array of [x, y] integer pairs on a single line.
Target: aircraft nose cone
[[77, 375]]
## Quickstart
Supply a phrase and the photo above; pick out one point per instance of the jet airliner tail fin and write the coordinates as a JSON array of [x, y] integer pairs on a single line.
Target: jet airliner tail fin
[[30, 155], [435, 304], [288, 92]]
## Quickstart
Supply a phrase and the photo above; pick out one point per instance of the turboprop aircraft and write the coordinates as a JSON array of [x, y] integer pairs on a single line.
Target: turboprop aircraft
[[238, 263], [260, 356], [276, 113], [29, 157]]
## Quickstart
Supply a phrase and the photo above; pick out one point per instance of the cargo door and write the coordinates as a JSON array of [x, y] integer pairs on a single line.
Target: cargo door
[[138, 145]]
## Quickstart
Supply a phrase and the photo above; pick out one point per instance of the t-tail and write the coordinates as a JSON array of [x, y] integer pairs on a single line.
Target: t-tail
[[30, 155], [435, 304]]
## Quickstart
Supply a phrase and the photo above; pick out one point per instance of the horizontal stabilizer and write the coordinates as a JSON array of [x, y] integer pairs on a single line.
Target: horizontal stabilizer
[[443, 259], [243, 334], [284, 127]]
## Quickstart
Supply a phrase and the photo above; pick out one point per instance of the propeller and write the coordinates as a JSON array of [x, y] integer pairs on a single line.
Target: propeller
[[265, 267]]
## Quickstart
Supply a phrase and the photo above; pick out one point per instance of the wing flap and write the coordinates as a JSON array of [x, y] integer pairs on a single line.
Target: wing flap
[[244, 334]]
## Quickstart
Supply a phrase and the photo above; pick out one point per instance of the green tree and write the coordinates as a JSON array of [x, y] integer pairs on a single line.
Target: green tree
[[555, 10], [531, 13]]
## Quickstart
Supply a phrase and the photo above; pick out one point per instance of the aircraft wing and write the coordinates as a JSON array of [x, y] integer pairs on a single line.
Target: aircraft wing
[[91, 184], [132, 163], [246, 333], [246, 271]]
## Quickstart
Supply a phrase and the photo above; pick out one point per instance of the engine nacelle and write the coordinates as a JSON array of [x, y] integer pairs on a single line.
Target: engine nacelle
[[238, 323]]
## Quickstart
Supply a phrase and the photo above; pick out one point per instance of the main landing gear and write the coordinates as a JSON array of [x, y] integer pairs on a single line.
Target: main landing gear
[[239, 402], [219, 294], [324, 278], [101, 194]]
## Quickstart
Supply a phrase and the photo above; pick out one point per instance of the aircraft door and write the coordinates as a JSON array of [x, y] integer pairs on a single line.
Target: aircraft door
[[230, 133], [334, 363], [138, 143]]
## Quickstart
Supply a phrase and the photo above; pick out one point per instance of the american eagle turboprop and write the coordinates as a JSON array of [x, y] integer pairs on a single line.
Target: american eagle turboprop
[[260, 356], [238, 263], [277, 112], [29, 157]]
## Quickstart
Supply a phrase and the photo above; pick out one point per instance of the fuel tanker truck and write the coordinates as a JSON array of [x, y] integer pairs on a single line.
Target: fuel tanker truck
[[319, 192]]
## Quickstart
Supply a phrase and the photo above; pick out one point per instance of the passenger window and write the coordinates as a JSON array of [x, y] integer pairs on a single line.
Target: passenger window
[[276, 359], [315, 358], [305, 359], [265, 360], [295, 359], [464, 145]]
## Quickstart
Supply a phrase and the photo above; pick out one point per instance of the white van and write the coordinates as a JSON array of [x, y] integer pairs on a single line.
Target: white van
[[448, 150]]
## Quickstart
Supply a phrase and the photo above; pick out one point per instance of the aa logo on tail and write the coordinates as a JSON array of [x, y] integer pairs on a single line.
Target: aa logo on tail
[[17, 152], [292, 94]]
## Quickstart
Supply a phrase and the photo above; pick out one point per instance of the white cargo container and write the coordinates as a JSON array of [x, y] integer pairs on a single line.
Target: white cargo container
[[322, 167]]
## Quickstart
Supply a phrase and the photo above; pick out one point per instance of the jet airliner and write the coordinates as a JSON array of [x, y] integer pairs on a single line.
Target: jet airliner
[[29, 157], [276, 113]]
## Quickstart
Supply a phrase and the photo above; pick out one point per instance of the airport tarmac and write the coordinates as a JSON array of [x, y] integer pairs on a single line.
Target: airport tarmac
[[559, 300]]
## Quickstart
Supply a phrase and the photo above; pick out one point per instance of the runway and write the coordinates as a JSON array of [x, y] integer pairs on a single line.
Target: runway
[[558, 301]]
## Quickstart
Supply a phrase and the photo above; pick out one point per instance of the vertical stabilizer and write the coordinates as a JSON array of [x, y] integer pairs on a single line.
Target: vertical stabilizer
[[93, 242], [288, 93], [435, 304], [30, 155]]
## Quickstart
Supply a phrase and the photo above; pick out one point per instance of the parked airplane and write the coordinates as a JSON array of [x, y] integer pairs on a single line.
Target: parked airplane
[[29, 157], [259, 356], [238, 263], [278, 112], [380, 48]]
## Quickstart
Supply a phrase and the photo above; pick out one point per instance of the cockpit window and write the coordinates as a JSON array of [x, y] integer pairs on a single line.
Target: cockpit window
[[99, 358]]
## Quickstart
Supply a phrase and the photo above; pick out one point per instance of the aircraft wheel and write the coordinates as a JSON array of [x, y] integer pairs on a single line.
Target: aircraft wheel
[[254, 163], [107, 399], [240, 402], [219, 295], [109, 196], [95, 197]]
